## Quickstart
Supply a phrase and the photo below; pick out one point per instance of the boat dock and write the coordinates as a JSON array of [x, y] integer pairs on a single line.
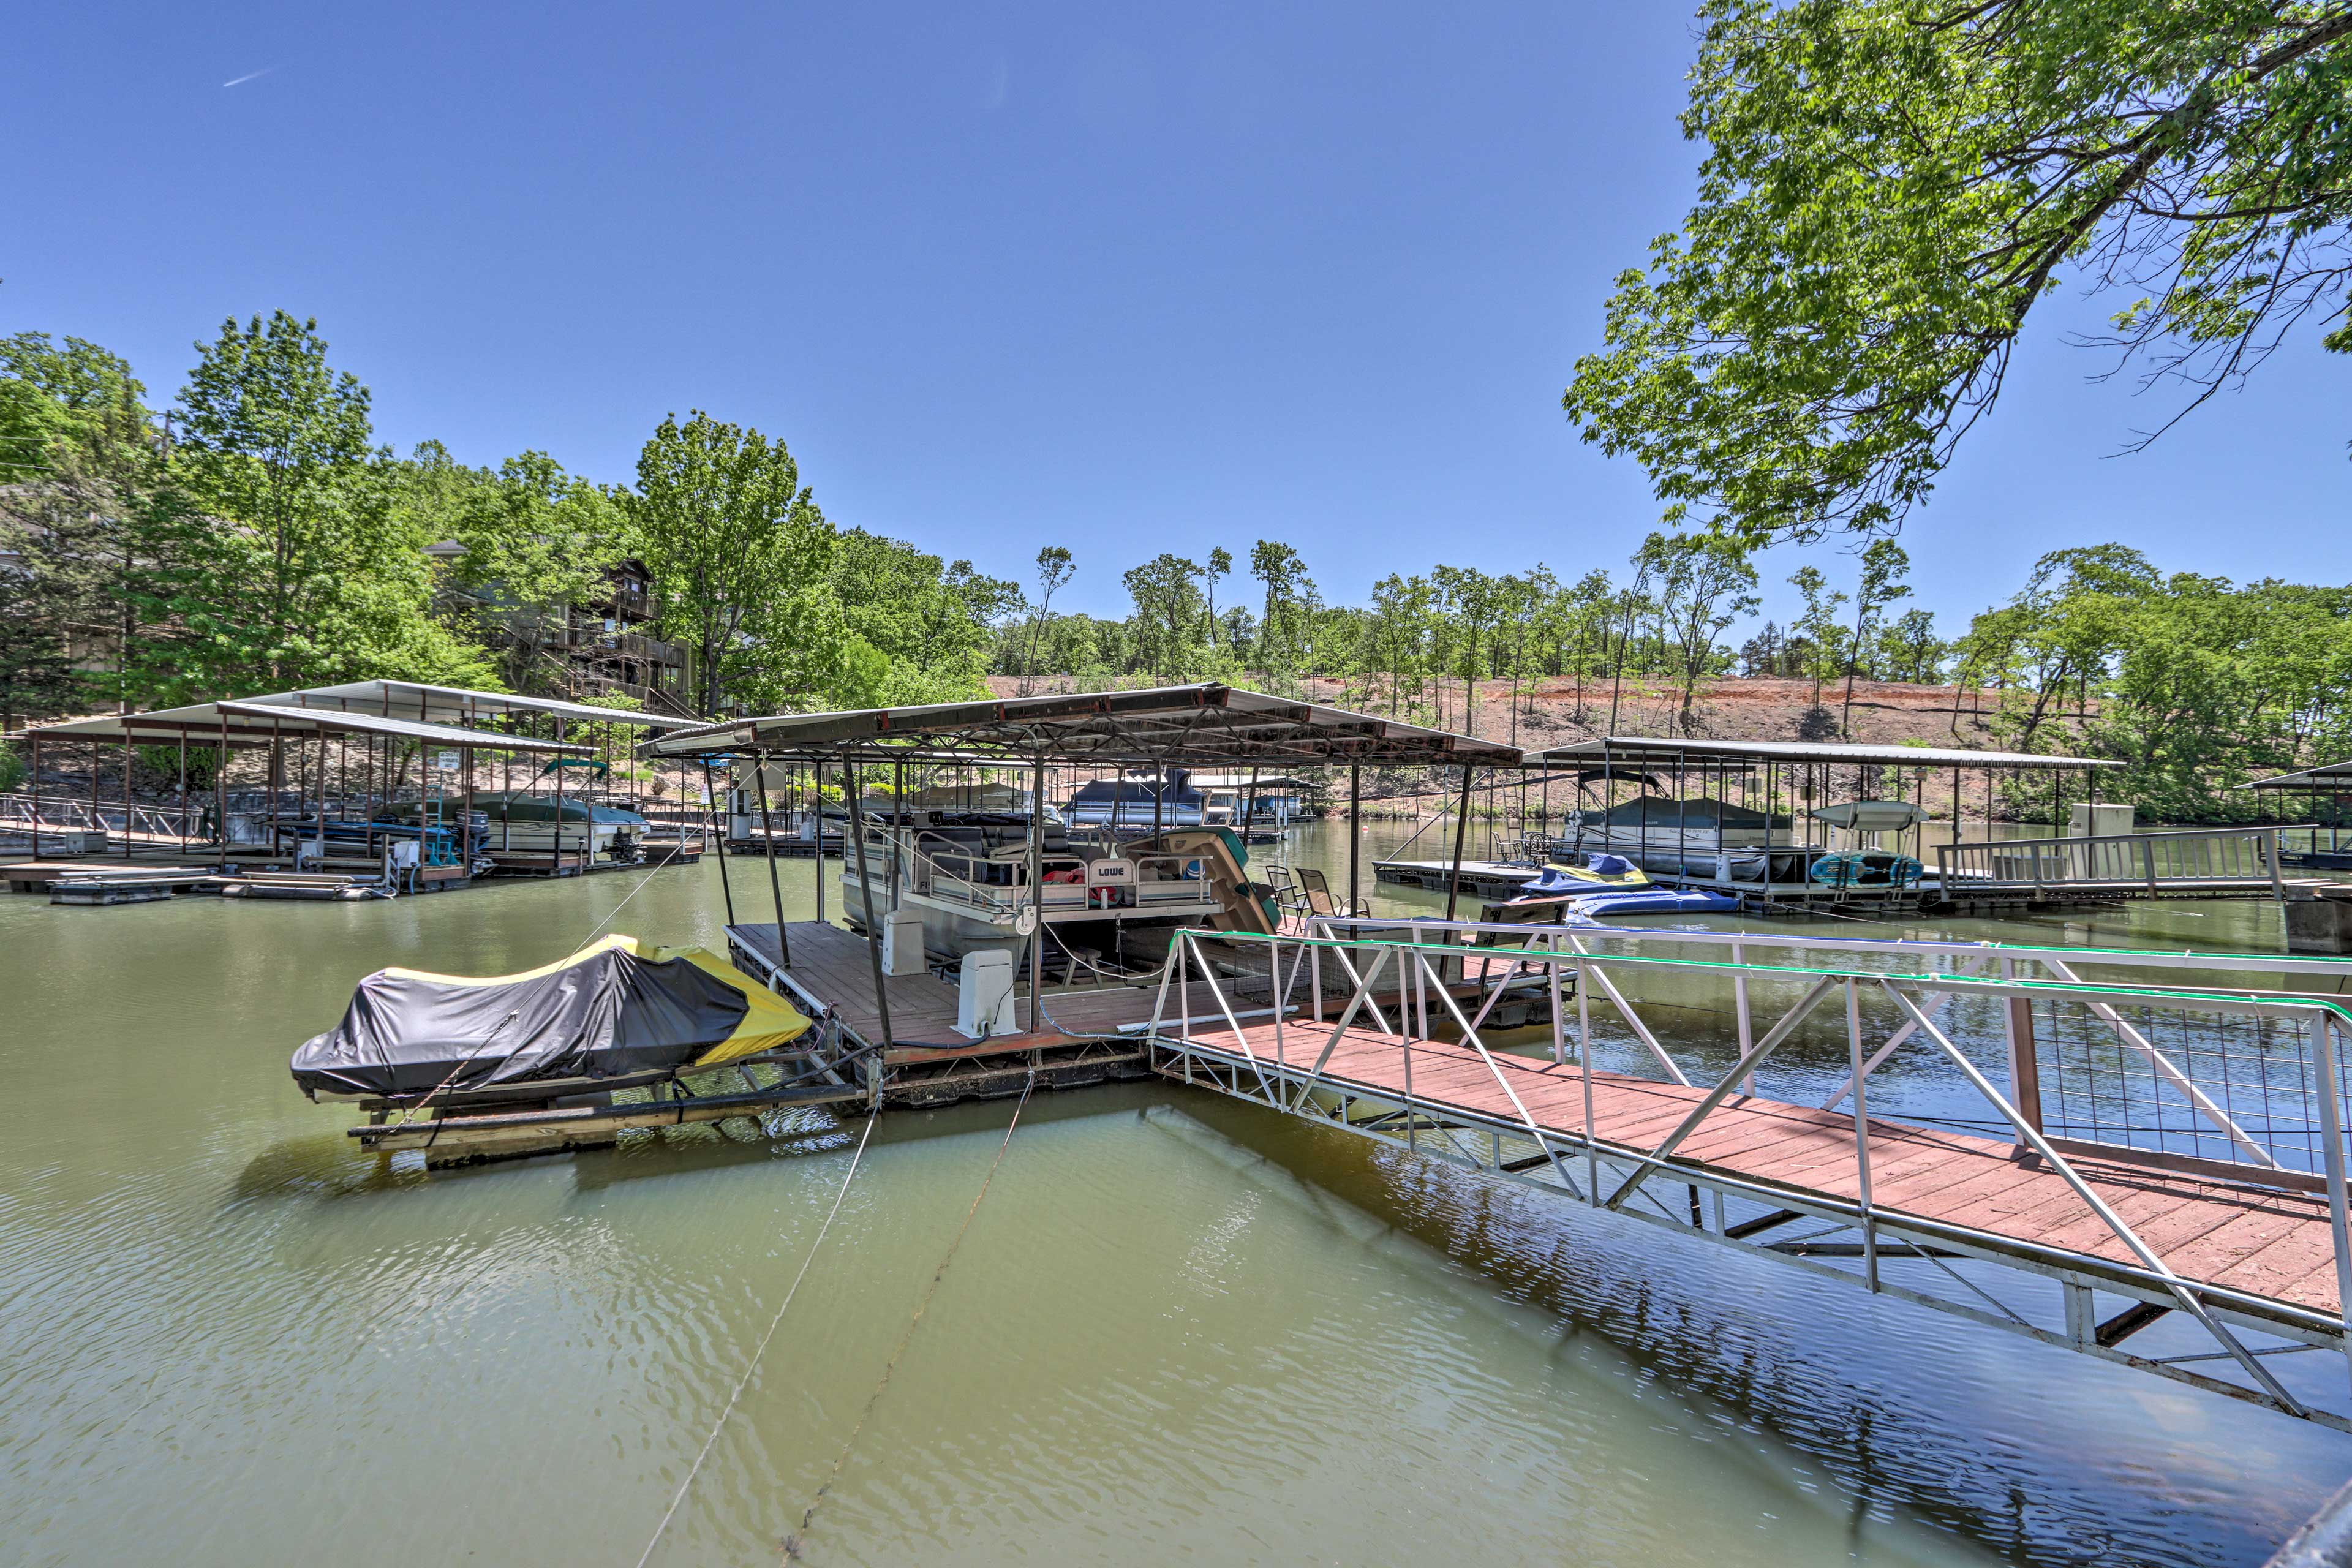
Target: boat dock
[[1085, 1035], [2135, 1156], [2203, 1188], [2184, 1213], [368, 789], [1479, 878]]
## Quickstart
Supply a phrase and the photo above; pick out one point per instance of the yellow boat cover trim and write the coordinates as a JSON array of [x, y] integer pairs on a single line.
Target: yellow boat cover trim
[[769, 1020]]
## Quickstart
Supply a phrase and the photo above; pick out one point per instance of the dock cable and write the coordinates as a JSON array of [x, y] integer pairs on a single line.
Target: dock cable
[[761, 1349], [794, 1541], [616, 908]]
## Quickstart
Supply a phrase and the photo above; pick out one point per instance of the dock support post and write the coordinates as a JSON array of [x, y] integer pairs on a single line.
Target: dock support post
[[849, 790], [2331, 1128], [1739, 1000], [1037, 879], [1551, 976], [556, 761], [1861, 1134], [1355, 837], [2024, 1066], [768, 836], [1461, 828], [2082, 1320], [220, 790], [1584, 1056], [816, 810], [726, 889]]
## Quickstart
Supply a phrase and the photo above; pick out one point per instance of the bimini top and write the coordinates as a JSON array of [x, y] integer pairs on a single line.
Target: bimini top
[[1669, 811], [1635, 750], [1205, 725], [617, 1009], [525, 806], [1264, 783]]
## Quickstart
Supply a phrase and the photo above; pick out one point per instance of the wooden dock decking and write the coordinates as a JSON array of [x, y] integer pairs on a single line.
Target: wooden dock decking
[[1479, 878], [831, 964], [2268, 1244]]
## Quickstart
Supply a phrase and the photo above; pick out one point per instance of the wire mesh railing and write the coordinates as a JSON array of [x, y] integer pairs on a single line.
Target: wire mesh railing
[[2155, 1133]]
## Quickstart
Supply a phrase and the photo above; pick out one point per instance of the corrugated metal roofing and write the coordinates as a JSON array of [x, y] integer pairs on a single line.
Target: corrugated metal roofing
[[1170, 724], [2326, 772], [253, 722], [451, 704], [1639, 751]]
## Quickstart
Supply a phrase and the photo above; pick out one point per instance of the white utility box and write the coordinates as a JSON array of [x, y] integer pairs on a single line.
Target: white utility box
[[985, 996], [2102, 821], [902, 943]]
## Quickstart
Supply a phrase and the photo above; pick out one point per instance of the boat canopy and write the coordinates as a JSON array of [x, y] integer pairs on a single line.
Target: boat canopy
[[1668, 812], [521, 806], [617, 1008], [1174, 785], [1871, 815]]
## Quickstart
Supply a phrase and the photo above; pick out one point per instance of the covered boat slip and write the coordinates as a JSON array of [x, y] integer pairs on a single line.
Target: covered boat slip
[[381, 776], [1154, 731], [2314, 839], [1791, 823]]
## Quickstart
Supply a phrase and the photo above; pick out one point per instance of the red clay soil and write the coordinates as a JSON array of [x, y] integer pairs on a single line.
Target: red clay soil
[[1547, 713]]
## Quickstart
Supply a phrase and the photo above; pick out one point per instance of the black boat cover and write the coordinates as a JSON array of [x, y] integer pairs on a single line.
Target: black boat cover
[[617, 1008]]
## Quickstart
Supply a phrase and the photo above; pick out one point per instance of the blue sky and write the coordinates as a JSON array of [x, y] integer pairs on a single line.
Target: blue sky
[[1010, 276]]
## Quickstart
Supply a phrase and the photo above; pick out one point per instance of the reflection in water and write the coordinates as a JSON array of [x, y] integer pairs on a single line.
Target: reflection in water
[[1180, 1326]]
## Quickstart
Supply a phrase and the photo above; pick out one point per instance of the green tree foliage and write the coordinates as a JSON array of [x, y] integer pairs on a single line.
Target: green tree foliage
[[1884, 566], [1285, 622], [295, 566], [1704, 583], [1170, 615], [1892, 185], [1818, 631], [1054, 568], [1909, 651], [1219, 567], [932, 622], [741, 558], [79, 463], [1471, 604], [271, 542], [532, 542]]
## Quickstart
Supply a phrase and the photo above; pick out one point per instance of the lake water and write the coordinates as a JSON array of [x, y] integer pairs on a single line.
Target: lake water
[[1178, 1329]]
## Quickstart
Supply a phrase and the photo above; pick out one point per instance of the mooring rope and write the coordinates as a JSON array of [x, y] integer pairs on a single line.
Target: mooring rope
[[753, 1366], [792, 1543]]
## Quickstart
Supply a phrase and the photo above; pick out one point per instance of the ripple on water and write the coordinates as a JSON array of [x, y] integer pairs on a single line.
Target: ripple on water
[[1203, 1332]]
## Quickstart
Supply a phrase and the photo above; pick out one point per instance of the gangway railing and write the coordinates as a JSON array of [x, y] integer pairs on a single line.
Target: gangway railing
[[21, 813], [2156, 1135], [2201, 861]]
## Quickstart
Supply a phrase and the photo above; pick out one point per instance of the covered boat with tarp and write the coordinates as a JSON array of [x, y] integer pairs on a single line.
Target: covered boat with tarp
[[1696, 836], [616, 1014]]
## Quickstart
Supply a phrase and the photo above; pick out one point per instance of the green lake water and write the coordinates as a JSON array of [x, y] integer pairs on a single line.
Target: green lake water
[[1178, 1328]]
